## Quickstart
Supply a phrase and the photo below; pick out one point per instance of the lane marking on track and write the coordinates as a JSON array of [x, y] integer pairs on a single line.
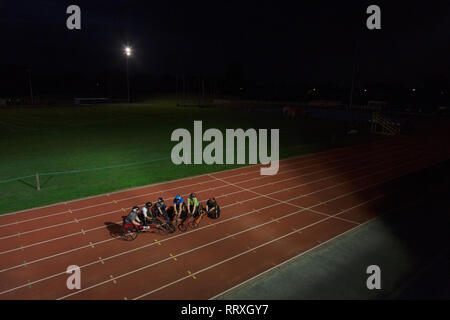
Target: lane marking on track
[[90, 243], [225, 185], [76, 220], [82, 231], [367, 187], [210, 243], [383, 146], [29, 284], [245, 252], [254, 248], [282, 201], [325, 214], [220, 221], [171, 255], [112, 278], [70, 211], [287, 162], [114, 201], [235, 217], [313, 248], [101, 260]]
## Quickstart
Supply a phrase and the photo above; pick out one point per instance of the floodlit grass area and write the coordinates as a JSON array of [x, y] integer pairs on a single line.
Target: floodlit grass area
[[85, 137]]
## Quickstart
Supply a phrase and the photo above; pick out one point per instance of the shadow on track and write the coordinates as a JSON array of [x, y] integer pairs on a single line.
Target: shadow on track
[[114, 229]]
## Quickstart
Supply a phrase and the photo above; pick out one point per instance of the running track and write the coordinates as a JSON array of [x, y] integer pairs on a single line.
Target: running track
[[265, 221]]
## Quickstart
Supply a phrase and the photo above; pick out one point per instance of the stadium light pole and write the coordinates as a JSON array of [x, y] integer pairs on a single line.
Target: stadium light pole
[[127, 55]]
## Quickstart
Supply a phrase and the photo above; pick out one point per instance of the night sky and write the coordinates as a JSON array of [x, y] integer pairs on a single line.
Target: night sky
[[294, 41]]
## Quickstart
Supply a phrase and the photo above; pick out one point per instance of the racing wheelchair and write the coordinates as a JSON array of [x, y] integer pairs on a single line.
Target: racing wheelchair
[[130, 231]]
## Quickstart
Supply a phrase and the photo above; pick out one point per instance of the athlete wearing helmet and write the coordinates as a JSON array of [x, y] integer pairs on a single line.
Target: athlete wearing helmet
[[177, 206], [193, 205], [212, 208], [161, 208], [145, 213], [133, 217]]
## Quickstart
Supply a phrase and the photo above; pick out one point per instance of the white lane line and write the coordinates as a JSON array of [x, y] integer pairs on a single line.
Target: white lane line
[[281, 201], [145, 194], [309, 250], [243, 253], [273, 220], [46, 258], [224, 186], [367, 146], [226, 195], [228, 236], [222, 221]]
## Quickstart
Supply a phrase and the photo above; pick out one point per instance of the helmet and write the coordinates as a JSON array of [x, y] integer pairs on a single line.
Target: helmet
[[148, 204], [178, 197], [160, 199], [213, 199], [135, 208], [192, 195]]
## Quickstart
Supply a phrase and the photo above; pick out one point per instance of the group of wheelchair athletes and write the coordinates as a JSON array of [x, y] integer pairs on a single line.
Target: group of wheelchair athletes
[[141, 218]]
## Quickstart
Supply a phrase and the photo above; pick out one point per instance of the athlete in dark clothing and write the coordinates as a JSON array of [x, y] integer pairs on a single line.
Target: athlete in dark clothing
[[212, 209], [161, 208]]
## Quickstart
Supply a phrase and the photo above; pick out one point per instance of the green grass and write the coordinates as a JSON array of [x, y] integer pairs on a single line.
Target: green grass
[[78, 138]]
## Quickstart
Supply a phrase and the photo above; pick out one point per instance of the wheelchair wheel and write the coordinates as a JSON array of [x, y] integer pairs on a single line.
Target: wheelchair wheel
[[128, 234], [182, 227], [163, 230], [193, 224], [171, 228], [167, 228]]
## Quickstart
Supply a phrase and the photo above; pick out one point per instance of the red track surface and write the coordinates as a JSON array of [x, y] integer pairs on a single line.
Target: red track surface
[[265, 221]]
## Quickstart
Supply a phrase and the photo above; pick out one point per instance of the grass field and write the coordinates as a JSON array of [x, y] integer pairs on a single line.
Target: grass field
[[88, 137]]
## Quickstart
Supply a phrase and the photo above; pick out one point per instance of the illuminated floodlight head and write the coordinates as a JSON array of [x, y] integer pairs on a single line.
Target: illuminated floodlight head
[[128, 51]]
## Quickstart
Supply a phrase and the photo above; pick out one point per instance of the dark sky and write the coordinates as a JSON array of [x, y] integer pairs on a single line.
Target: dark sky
[[304, 41]]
